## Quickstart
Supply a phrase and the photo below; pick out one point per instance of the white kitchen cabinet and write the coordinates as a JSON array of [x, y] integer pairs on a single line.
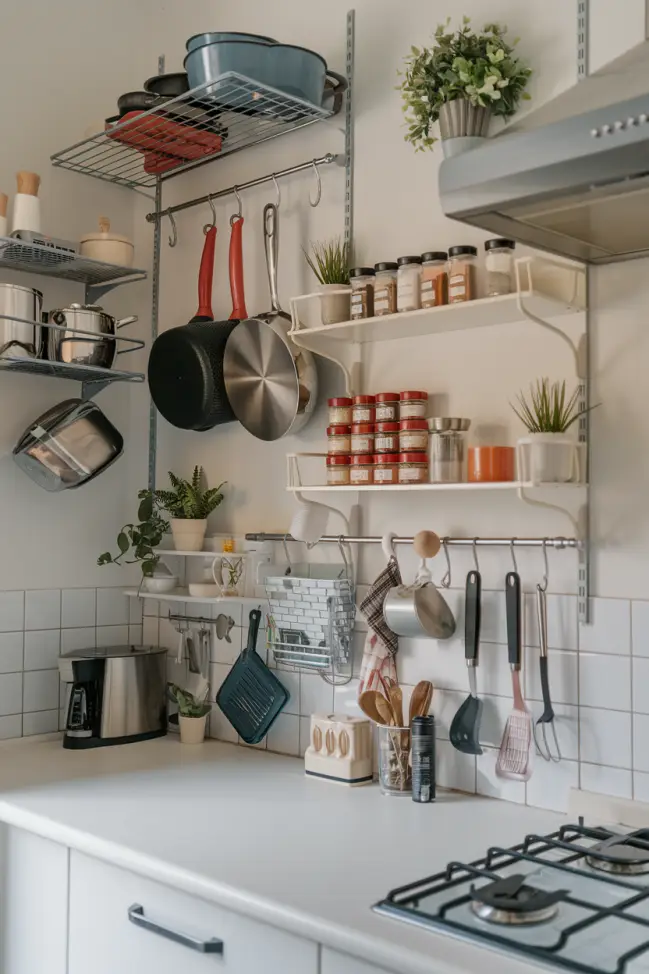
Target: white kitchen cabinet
[[615, 29], [103, 939], [34, 904], [335, 963]]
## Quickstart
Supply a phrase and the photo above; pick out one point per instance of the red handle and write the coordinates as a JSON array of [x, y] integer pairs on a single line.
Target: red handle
[[206, 276], [236, 272]]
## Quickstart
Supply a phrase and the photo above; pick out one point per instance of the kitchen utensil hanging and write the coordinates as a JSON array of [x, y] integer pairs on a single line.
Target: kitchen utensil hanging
[[549, 749], [272, 384], [420, 610], [516, 753], [464, 732]]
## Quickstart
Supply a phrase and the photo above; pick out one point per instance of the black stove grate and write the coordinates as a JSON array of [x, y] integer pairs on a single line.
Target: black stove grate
[[403, 903]]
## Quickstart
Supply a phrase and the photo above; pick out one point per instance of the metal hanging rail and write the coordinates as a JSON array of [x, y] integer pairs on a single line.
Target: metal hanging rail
[[326, 160], [557, 543]]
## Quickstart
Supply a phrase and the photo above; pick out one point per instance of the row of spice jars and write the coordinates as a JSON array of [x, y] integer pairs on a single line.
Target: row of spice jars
[[386, 407], [364, 438], [432, 279], [385, 469]]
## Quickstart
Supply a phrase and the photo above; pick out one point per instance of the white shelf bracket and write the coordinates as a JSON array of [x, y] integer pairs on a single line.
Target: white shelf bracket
[[525, 264], [346, 355], [551, 507]]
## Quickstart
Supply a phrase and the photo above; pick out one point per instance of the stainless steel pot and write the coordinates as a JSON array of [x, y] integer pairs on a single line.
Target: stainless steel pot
[[68, 445], [65, 345], [419, 610], [272, 385], [20, 339]]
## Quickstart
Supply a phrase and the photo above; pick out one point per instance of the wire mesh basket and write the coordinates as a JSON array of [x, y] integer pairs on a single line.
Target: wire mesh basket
[[311, 624]]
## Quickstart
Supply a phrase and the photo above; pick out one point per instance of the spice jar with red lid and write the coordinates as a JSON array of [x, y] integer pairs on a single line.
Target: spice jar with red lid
[[413, 468], [338, 470], [362, 469], [363, 409], [386, 469], [363, 438], [339, 439], [386, 439], [413, 435], [387, 407], [340, 411], [413, 405]]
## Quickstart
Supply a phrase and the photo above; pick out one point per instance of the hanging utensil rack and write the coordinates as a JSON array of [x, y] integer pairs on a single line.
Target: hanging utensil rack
[[559, 543]]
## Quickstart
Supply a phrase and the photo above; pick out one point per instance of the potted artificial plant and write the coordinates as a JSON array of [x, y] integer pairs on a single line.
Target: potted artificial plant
[[463, 79], [140, 541], [192, 714], [547, 454], [329, 261], [189, 506]]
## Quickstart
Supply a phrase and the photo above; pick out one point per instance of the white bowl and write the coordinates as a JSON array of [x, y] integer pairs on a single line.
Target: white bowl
[[160, 585]]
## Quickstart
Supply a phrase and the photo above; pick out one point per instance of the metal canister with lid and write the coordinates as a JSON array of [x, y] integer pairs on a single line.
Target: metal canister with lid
[[423, 759]]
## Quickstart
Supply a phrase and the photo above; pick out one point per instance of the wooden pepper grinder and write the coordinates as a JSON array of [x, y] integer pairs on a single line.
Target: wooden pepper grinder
[[27, 206], [4, 201]]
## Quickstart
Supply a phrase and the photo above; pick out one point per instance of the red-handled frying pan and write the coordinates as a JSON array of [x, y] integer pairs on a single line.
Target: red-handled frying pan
[[186, 363]]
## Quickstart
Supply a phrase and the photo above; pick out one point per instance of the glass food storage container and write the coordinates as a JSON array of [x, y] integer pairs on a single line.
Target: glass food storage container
[[339, 439], [413, 405], [387, 407], [413, 468], [362, 469], [395, 772], [363, 409], [386, 439], [340, 411], [499, 265], [413, 435], [462, 274], [386, 469], [338, 470], [362, 282], [446, 458], [409, 284], [385, 288], [434, 278], [363, 438]]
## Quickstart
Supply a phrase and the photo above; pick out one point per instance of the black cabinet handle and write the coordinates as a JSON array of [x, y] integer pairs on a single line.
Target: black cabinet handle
[[136, 916]]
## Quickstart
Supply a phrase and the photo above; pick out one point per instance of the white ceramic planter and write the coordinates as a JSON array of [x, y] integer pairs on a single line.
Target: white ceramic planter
[[188, 533], [192, 729], [335, 307], [548, 458]]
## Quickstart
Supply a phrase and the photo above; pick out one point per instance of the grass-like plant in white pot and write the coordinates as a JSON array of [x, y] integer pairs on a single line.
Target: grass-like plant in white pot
[[463, 79], [329, 261], [189, 505], [192, 714], [548, 454]]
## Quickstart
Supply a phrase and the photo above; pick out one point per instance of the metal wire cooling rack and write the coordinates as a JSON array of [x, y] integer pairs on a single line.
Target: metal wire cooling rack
[[54, 261]]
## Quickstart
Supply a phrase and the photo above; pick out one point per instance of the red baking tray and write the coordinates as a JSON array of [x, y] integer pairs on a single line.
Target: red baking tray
[[161, 137]]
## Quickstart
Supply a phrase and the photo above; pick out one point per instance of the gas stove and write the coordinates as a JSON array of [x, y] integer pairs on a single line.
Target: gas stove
[[576, 899]]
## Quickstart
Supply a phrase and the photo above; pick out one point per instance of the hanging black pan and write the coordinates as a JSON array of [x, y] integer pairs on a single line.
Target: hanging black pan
[[186, 363]]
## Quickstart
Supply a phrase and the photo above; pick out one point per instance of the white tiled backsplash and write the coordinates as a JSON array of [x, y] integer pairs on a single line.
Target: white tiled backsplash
[[35, 628]]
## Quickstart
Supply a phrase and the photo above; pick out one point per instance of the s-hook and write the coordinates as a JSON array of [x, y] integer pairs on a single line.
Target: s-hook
[[546, 570], [513, 554], [173, 240], [239, 214], [278, 191], [446, 581], [318, 197], [210, 226], [474, 550]]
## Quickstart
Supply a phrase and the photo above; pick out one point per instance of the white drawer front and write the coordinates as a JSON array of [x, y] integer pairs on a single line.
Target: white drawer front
[[105, 941], [335, 963]]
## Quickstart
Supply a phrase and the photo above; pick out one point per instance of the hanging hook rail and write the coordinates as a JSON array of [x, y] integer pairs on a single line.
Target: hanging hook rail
[[556, 543], [326, 160]]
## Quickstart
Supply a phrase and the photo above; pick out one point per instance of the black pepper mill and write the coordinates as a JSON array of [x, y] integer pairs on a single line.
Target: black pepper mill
[[423, 759]]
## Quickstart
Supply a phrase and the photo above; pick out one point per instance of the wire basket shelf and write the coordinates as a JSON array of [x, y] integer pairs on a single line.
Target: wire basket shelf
[[55, 261], [65, 370], [223, 116], [311, 624]]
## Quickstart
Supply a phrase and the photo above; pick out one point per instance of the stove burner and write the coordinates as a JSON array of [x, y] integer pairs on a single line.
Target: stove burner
[[510, 901], [626, 855]]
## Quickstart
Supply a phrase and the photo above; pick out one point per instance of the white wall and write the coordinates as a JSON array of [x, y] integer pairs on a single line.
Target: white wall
[[62, 67]]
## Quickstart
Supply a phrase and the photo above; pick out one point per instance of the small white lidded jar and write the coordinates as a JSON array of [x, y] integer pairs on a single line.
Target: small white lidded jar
[[409, 284]]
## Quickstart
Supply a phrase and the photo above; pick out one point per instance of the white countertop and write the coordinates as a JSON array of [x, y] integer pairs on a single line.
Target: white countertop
[[248, 830]]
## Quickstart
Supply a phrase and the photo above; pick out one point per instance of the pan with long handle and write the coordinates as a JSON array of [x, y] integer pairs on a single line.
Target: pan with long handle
[[272, 384], [186, 363]]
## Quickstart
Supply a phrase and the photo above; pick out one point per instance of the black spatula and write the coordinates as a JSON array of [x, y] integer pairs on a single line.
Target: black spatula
[[465, 727], [251, 696]]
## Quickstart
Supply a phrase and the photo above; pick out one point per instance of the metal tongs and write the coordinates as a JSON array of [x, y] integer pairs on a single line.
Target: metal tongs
[[547, 751]]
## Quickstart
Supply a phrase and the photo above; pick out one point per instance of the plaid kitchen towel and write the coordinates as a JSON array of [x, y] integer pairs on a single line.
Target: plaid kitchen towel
[[372, 605]]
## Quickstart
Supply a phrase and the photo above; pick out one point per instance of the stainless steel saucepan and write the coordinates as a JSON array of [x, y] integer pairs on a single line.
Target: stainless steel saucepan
[[419, 610], [20, 338], [272, 384], [66, 346]]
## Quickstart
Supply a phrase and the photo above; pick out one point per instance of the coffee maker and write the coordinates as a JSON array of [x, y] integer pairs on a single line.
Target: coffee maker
[[118, 695]]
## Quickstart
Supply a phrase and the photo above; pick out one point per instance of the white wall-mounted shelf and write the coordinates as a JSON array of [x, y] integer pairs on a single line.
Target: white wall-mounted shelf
[[182, 595], [200, 554], [401, 488]]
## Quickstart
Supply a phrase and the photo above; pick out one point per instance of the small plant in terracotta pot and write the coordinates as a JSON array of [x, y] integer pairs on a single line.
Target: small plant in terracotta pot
[[189, 504], [192, 714], [329, 261]]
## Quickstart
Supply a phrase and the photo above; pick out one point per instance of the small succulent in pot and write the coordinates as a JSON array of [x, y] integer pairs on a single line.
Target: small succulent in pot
[[189, 505], [477, 68], [192, 714], [549, 409], [329, 261]]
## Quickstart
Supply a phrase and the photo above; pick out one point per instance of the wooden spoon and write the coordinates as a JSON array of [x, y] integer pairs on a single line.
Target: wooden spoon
[[420, 699], [396, 701], [385, 710], [368, 704]]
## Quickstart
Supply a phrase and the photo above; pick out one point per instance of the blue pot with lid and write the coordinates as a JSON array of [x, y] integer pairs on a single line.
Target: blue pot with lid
[[214, 37]]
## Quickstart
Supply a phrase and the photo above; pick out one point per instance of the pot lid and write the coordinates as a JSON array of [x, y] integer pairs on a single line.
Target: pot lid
[[104, 233]]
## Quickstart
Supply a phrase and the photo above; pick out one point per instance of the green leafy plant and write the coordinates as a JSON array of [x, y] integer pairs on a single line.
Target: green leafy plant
[[549, 409], [139, 539], [188, 499], [329, 261], [480, 67], [188, 704]]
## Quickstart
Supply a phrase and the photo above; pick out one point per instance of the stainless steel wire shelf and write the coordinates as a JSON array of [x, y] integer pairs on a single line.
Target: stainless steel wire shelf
[[230, 113], [64, 370], [33, 258]]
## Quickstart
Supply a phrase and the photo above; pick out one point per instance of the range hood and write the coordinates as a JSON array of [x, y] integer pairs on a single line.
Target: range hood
[[577, 186]]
